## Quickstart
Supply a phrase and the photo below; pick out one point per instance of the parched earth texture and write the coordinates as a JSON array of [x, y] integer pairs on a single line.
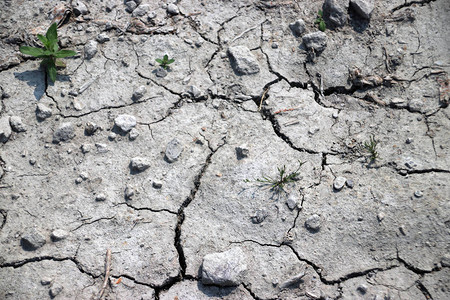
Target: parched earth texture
[[162, 166]]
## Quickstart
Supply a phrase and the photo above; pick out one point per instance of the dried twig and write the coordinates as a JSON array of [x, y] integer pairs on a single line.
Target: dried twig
[[107, 270], [244, 32], [262, 99]]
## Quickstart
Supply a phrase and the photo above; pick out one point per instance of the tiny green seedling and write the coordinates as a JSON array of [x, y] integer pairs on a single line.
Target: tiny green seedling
[[165, 62], [320, 21], [371, 147], [51, 52], [277, 184]]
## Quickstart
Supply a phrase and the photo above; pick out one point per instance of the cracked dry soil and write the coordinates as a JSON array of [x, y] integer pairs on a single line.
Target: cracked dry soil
[[120, 154]]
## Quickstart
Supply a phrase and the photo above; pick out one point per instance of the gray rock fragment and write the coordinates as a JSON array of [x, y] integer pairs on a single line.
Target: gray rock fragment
[[339, 183], [101, 148], [125, 122], [243, 61], [224, 269], [242, 152], [141, 10], [43, 112], [259, 216], [315, 40], [55, 290], [32, 240], [46, 280], [16, 124], [157, 184], [90, 128], [291, 201], [362, 288], [5, 129], [362, 7], [298, 27], [350, 183], [64, 132], [160, 72], [129, 192], [313, 223], [335, 12], [90, 49], [139, 164], [134, 133], [58, 235], [130, 6], [418, 194], [194, 92], [102, 38], [80, 8], [173, 9], [85, 148], [112, 136], [139, 92], [173, 150], [100, 197]]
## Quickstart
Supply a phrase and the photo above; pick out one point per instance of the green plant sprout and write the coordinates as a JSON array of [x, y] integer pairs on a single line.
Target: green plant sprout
[[165, 62], [371, 147], [51, 52], [283, 178], [320, 21]]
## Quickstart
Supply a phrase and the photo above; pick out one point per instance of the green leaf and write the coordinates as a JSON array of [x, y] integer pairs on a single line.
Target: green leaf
[[322, 26], [166, 58], [55, 48], [43, 39], [52, 35], [171, 61], [51, 70], [64, 53], [159, 61], [320, 13], [37, 52]]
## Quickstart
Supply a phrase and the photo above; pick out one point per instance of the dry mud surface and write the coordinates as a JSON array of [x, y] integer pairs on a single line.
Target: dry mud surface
[[151, 164]]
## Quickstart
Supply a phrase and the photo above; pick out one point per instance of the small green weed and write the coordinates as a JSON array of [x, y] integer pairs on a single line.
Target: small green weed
[[320, 21], [51, 52], [165, 61], [371, 147], [277, 184]]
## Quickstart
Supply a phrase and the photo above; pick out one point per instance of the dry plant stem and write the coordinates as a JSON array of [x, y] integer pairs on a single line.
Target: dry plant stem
[[262, 99], [107, 270]]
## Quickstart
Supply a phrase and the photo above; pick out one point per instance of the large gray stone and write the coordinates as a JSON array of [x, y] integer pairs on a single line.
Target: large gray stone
[[32, 240], [17, 124], [173, 150], [64, 132], [335, 12], [224, 269], [316, 41], [242, 60], [43, 111], [363, 8], [139, 164], [298, 27], [125, 122], [90, 49]]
